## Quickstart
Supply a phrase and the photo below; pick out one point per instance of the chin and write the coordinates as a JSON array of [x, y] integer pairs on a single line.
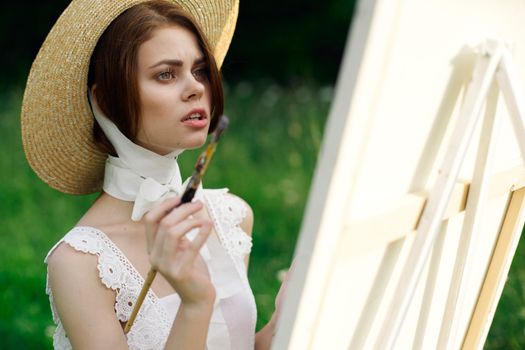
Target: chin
[[196, 143]]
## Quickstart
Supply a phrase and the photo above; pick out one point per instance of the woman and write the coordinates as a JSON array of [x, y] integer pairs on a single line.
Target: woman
[[154, 88]]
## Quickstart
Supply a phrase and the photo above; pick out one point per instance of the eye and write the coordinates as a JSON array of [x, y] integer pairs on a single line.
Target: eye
[[200, 73], [166, 75]]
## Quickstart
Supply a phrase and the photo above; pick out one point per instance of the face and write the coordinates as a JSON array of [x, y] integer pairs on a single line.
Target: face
[[174, 91]]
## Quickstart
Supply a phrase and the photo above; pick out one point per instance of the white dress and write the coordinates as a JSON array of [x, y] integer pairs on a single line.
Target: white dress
[[234, 316]]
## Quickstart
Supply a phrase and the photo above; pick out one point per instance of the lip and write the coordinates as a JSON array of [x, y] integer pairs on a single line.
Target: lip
[[201, 111], [196, 123]]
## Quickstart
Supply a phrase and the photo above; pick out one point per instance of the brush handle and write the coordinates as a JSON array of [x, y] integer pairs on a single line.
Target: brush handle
[[147, 284], [187, 196]]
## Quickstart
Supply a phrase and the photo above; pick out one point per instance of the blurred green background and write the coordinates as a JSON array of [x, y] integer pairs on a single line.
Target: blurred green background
[[279, 79]]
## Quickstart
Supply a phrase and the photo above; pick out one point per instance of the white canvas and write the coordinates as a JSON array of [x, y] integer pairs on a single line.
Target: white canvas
[[399, 94]]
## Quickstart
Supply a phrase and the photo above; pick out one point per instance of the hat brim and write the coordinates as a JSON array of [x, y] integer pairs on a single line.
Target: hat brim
[[56, 119]]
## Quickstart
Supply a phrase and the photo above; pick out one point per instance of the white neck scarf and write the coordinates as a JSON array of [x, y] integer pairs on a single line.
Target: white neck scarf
[[137, 174]]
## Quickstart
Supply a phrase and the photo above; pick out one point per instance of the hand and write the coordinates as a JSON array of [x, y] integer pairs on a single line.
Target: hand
[[281, 295], [176, 257]]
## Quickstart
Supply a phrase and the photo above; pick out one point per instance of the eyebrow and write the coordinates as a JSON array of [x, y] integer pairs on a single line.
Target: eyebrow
[[176, 63]]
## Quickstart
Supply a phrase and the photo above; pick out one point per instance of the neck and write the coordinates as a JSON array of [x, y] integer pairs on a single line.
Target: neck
[[138, 174], [108, 211]]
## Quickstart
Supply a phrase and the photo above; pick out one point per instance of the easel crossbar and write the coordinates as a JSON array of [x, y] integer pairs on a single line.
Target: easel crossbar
[[494, 63], [402, 219]]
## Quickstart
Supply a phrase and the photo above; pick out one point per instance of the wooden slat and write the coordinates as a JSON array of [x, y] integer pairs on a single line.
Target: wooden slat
[[402, 219], [497, 272]]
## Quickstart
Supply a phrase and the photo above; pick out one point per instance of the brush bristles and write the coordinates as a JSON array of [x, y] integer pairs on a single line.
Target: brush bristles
[[221, 126]]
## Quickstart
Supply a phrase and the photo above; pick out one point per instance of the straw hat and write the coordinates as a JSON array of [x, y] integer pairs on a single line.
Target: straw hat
[[56, 118]]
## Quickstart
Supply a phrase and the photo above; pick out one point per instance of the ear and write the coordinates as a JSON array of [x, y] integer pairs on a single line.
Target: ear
[[94, 91]]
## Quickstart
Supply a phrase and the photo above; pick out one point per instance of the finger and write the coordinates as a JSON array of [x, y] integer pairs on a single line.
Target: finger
[[204, 233], [192, 248], [161, 210], [291, 269], [171, 223], [181, 213], [152, 218], [177, 233]]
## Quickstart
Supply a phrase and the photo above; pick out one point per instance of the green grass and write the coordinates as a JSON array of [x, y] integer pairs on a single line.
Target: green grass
[[267, 157], [508, 327]]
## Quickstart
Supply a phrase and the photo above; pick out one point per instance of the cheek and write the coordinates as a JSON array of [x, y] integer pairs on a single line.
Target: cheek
[[155, 102]]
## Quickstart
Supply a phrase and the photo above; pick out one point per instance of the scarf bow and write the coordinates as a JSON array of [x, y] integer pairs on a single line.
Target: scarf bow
[[137, 174], [151, 193]]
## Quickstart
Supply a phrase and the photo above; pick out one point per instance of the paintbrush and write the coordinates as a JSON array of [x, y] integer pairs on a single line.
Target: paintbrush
[[191, 188]]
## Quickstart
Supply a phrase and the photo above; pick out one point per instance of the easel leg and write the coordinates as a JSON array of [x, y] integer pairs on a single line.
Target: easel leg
[[497, 271], [477, 195], [512, 92], [438, 199]]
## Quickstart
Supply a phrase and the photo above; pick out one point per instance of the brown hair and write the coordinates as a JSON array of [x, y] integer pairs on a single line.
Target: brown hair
[[113, 66]]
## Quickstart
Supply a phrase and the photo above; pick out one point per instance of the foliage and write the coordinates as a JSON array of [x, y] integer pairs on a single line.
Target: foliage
[[289, 39], [279, 39], [267, 156], [508, 327]]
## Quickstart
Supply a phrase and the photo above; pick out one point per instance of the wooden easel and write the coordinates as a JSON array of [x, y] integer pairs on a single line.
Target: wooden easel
[[495, 64]]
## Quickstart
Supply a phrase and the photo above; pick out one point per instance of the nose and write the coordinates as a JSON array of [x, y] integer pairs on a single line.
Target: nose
[[193, 90]]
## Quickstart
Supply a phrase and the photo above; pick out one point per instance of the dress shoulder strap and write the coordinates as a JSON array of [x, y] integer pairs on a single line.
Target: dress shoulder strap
[[228, 211], [117, 273], [115, 270]]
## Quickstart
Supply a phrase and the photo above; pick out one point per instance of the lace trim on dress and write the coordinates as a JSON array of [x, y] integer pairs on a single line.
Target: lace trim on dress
[[228, 211], [118, 274], [152, 325]]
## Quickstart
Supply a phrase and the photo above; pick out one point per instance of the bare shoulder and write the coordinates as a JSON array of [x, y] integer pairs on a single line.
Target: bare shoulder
[[73, 275], [65, 262], [65, 265], [247, 222], [84, 305]]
